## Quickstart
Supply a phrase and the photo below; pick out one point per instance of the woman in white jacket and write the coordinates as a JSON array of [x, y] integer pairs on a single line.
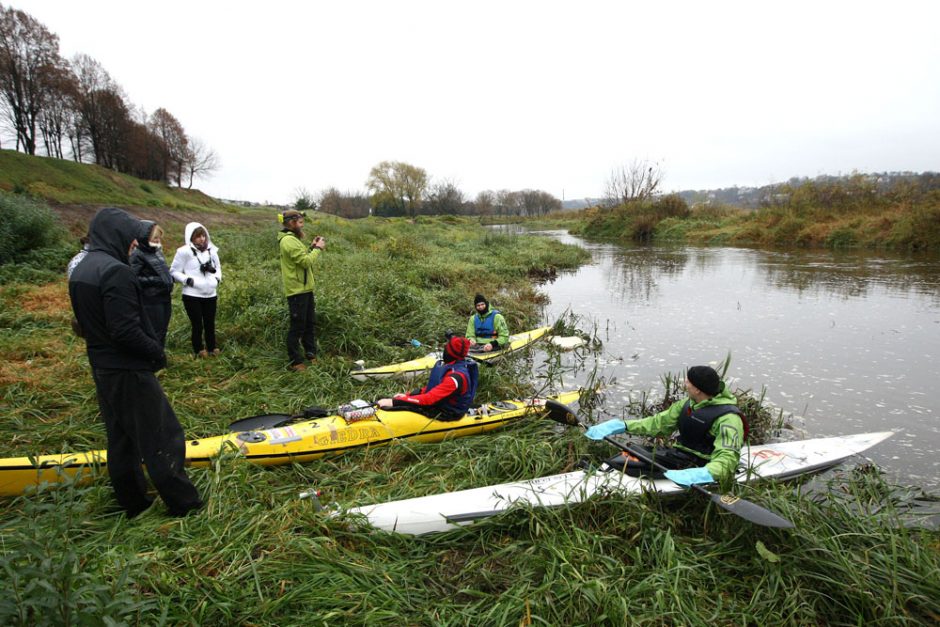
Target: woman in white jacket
[[196, 265]]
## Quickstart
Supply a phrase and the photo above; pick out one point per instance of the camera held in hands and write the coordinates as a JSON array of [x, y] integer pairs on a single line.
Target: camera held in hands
[[207, 267]]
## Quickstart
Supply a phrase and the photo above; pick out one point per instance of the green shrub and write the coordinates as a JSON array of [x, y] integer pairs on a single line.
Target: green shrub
[[27, 226], [841, 238]]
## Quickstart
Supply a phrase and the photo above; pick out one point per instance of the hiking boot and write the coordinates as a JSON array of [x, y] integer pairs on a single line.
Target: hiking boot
[[311, 356], [298, 367], [202, 354], [215, 352]]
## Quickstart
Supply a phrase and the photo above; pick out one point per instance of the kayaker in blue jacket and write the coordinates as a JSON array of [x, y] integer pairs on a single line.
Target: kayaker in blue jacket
[[451, 388], [711, 432]]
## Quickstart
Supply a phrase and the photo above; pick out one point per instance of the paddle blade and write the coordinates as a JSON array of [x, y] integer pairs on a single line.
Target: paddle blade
[[559, 412], [748, 511], [260, 423]]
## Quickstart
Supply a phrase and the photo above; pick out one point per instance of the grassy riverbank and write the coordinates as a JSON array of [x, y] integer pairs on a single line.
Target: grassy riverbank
[[258, 555], [844, 214]]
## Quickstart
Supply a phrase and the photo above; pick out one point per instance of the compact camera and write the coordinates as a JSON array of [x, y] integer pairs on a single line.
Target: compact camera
[[207, 266]]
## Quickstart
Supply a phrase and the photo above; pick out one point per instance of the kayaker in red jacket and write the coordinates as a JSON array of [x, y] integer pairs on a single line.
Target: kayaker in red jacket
[[451, 386]]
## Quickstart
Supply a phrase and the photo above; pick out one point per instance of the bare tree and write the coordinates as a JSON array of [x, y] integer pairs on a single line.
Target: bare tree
[[29, 55], [638, 181], [485, 203], [102, 109], [201, 161], [445, 198], [346, 205], [505, 202], [397, 187], [56, 117], [165, 126]]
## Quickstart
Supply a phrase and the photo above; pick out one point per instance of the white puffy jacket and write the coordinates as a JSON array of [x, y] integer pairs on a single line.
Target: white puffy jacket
[[188, 260]]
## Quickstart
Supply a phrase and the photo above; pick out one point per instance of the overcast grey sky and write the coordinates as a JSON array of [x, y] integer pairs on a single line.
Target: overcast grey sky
[[524, 94]]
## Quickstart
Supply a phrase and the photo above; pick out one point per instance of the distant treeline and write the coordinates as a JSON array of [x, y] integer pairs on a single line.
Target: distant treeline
[[74, 109], [395, 188]]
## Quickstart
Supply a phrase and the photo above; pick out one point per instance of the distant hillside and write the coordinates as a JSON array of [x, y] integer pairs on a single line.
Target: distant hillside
[[580, 203], [754, 197], [63, 182]]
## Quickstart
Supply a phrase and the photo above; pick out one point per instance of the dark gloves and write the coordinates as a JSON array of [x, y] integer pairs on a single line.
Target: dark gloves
[[159, 363], [190, 282]]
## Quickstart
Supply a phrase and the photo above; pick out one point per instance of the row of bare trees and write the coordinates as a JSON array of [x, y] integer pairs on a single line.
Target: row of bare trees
[[73, 107], [396, 188]]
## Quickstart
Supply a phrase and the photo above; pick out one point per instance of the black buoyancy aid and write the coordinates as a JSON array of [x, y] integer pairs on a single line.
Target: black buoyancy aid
[[694, 425], [457, 404], [486, 326]]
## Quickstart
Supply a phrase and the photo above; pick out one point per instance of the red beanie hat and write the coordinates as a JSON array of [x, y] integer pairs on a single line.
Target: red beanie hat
[[456, 348]]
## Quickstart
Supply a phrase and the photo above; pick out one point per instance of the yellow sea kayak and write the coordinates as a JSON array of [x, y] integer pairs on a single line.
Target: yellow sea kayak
[[298, 442], [408, 369]]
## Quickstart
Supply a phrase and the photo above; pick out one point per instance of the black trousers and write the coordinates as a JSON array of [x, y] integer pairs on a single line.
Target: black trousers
[[302, 329], [141, 425], [201, 313]]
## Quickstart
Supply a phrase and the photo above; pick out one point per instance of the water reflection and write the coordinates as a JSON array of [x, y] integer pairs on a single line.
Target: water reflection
[[849, 342]]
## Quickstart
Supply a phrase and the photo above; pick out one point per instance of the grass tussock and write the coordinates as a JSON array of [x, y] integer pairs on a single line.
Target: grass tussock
[[259, 555]]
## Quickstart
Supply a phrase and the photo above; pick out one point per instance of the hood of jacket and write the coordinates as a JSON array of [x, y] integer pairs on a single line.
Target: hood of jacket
[[112, 230], [143, 236], [188, 234]]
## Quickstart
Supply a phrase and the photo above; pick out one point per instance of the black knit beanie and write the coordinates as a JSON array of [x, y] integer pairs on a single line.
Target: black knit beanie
[[705, 378], [480, 298]]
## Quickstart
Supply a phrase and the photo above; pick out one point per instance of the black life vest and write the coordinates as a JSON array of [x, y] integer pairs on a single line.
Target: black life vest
[[694, 425]]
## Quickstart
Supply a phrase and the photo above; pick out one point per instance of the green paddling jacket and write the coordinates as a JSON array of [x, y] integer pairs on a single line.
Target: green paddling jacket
[[727, 430], [296, 263]]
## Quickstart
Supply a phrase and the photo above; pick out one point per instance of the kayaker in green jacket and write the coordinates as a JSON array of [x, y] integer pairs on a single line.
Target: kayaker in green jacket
[[297, 261], [711, 432], [487, 328]]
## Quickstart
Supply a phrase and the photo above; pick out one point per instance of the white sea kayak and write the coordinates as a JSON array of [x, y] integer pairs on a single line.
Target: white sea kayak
[[442, 512]]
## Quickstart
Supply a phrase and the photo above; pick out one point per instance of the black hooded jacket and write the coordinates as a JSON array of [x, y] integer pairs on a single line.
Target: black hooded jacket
[[106, 298], [149, 265]]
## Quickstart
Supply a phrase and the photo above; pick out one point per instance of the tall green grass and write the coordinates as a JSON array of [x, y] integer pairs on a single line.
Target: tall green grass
[[259, 555]]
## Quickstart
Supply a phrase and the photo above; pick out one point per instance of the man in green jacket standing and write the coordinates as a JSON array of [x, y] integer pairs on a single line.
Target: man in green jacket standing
[[487, 329], [711, 432], [297, 261]]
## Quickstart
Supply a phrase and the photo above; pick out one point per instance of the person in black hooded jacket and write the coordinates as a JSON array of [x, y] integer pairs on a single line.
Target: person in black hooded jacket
[[124, 354], [149, 264]]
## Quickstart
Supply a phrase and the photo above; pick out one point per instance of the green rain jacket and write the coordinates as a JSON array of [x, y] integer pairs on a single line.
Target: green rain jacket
[[728, 431], [499, 326], [296, 263]]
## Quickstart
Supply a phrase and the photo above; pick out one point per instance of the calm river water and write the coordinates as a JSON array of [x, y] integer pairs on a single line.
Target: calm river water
[[845, 342]]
